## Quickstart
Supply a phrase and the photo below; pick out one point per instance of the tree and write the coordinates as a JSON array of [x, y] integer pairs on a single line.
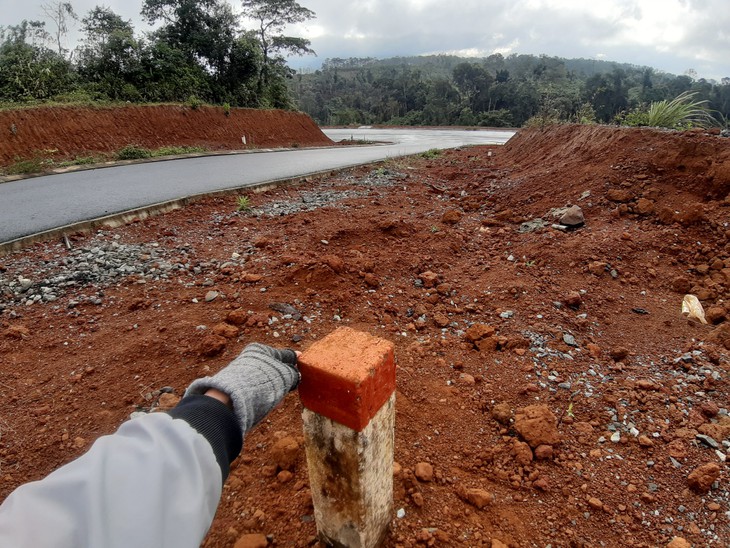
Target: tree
[[271, 17], [61, 13]]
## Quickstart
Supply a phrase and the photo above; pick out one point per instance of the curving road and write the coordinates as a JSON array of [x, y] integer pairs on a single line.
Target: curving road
[[32, 206]]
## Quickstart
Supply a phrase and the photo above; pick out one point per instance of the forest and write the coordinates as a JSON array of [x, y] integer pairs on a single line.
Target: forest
[[198, 52], [496, 91], [203, 52]]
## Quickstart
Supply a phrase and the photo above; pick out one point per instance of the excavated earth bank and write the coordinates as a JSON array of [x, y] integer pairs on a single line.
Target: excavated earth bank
[[68, 132], [550, 393]]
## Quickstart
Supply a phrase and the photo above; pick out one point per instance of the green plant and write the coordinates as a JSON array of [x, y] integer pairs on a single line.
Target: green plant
[[679, 113], [32, 165], [243, 203], [431, 153], [174, 151], [133, 152], [194, 103], [227, 109]]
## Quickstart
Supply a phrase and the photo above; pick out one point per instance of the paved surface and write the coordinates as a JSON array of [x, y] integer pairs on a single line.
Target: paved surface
[[43, 203]]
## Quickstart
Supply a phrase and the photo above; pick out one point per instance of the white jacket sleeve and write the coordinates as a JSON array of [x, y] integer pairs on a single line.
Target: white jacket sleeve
[[154, 483]]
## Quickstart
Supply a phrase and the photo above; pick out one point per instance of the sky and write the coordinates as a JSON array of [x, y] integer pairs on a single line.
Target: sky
[[670, 35]]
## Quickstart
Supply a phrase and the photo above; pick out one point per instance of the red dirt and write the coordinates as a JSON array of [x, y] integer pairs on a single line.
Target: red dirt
[[520, 355], [68, 132]]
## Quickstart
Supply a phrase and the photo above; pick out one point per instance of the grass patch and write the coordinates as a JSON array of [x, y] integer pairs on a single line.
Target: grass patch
[[26, 167], [133, 152], [175, 151], [432, 153]]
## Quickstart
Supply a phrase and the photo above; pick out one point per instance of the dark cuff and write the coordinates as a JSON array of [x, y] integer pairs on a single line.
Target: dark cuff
[[216, 423]]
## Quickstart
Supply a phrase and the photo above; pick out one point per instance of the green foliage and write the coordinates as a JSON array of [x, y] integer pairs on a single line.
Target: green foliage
[[432, 153], [194, 103], [243, 203], [227, 109], [36, 164], [680, 112], [134, 152], [176, 151]]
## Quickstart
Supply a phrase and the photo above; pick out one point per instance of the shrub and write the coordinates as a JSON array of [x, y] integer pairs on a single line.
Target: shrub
[[243, 203], [134, 152], [227, 109]]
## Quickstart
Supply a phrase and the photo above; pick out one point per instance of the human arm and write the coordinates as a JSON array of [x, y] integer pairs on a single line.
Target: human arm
[[157, 481]]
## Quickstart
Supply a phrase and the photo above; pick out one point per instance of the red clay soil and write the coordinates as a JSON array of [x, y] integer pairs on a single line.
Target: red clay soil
[[549, 391], [68, 132]]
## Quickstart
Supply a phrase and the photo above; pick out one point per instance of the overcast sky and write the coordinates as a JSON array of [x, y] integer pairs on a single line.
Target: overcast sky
[[670, 35]]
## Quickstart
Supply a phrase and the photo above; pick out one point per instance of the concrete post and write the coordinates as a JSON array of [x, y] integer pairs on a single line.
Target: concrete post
[[348, 393]]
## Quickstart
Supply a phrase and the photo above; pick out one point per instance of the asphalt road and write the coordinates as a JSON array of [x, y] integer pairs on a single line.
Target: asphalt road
[[35, 205]]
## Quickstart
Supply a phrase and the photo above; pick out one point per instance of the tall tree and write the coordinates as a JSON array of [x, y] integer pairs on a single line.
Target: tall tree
[[271, 17], [62, 14]]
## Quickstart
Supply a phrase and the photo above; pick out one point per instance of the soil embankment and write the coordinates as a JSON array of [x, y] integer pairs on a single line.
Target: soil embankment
[[68, 132]]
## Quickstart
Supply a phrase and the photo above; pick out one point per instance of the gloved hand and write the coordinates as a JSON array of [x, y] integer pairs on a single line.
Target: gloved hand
[[256, 381]]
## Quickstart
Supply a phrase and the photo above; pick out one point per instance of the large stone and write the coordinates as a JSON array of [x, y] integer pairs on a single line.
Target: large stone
[[476, 497], [619, 195], [424, 472], [252, 541], [702, 478], [573, 217], [285, 452], [537, 425]]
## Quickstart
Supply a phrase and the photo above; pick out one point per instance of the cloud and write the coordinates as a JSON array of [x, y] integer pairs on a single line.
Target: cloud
[[671, 35]]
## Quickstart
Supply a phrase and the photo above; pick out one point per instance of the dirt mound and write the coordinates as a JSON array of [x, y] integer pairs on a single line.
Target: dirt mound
[[690, 161], [67, 132], [547, 382]]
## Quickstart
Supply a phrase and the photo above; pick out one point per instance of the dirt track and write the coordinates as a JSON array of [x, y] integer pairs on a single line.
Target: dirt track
[[491, 315]]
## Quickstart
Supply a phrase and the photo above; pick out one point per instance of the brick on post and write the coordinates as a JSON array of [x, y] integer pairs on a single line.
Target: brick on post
[[348, 394]]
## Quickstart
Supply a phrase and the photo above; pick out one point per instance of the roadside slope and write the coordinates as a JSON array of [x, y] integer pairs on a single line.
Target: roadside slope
[[66, 132]]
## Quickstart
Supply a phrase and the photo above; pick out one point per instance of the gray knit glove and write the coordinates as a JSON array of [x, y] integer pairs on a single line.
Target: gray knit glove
[[256, 381]]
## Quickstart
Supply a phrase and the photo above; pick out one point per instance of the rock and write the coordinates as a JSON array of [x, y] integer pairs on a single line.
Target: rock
[[490, 344], [284, 453], [573, 216], [441, 320], [212, 345], [644, 207], [573, 300], [476, 497], [597, 268], [429, 279], [237, 317], [544, 452], [682, 285], [417, 499], [720, 336], [502, 413], [424, 472], [594, 350], [521, 453], [252, 541], [709, 409], [226, 330], [451, 217], [496, 543], [541, 484], [371, 280], [17, 332], [619, 195], [335, 263], [595, 503], [715, 315], [537, 425], [467, 379], [284, 476], [619, 353], [211, 296], [645, 441], [646, 384], [479, 331], [702, 478], [679, 542]]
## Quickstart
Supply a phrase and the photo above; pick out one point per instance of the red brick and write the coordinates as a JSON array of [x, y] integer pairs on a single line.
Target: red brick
[[347, 377]]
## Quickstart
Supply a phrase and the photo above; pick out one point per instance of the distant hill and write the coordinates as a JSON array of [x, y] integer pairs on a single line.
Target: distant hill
[[492, 91]]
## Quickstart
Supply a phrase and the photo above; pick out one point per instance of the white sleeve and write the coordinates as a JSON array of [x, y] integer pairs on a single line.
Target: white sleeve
[[154, 483]]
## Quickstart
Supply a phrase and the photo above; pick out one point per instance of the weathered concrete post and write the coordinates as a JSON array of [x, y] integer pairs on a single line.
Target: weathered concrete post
[[348, 393]]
